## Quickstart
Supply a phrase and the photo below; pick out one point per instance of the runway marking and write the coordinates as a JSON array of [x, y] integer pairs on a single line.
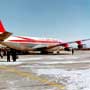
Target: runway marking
[[31, 76]]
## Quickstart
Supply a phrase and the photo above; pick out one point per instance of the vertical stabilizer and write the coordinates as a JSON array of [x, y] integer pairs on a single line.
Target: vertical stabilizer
[[2, 29], [3, 33]]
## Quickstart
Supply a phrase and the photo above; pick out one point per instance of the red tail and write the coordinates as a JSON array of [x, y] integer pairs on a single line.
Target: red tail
[[3, 33], [2, 29]]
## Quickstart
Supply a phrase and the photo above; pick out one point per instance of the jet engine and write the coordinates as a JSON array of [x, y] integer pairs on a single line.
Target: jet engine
[[80, 45], [67, 48]]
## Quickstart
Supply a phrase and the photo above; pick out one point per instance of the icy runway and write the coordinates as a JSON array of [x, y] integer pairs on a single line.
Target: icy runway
[[69, 71], [73, 80]]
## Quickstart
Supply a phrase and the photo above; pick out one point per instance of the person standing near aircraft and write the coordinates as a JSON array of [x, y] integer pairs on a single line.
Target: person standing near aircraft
[[13, 54], [72, 51], [8, 54], [1, 53]]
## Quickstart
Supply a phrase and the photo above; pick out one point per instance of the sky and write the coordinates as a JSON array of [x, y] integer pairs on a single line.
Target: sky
[[63, 19]]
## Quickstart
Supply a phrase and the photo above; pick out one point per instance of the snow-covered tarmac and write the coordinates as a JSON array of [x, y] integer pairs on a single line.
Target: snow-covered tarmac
[[73, 79], [71, 71]]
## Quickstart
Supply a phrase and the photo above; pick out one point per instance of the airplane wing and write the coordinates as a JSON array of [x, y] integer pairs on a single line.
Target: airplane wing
[[65, 44], [78, 41], [4, 35]]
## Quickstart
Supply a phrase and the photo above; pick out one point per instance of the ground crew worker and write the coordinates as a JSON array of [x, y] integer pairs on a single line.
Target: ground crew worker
[[13, 54], [72, 51], [8, 55], [1, 53]]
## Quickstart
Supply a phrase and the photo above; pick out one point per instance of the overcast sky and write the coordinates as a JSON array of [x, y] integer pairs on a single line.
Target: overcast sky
[[62, 19]]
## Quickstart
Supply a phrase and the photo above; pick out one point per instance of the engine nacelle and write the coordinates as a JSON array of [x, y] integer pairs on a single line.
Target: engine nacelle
[[66, 45], [80, 46]]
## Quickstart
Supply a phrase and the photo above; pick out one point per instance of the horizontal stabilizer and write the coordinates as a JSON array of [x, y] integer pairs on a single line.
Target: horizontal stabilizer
[[4, 35]]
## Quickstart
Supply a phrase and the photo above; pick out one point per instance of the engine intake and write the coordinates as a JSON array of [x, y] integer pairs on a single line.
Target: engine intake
[[80, 46]]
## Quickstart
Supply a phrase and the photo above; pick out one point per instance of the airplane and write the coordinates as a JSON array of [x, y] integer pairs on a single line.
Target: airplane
[[26, 43]]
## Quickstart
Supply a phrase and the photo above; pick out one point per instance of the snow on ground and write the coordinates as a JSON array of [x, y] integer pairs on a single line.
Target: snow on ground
[[48, 57], [10, 63], [55, 57], [31, 58], [66, 57], [74, 79], [63, 62]]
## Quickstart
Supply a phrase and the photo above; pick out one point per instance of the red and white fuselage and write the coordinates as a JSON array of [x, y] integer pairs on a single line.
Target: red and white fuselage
[[29, 43]]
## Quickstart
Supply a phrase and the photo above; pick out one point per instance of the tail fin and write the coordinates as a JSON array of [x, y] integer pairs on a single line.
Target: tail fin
[[2, 29], [3, 33]]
